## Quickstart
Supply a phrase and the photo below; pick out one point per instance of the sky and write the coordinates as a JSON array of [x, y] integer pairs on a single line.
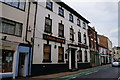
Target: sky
[[103, 15]]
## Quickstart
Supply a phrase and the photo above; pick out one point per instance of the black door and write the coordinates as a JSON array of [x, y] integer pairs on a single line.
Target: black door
[[73, 58]]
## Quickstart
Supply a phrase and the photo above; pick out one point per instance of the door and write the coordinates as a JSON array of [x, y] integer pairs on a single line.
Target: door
[[73, 58], [22, 59]]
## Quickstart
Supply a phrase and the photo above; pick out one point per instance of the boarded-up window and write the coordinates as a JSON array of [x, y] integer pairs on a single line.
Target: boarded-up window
[[60, 54], [47, 52]]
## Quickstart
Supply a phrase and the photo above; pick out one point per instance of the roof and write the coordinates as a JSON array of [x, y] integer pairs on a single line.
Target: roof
[[62, 4]]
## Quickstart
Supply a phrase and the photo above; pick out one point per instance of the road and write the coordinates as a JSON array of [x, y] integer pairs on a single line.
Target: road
[[110, 73]]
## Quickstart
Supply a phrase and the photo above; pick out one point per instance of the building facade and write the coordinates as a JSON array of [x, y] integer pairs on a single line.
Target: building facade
[[93, 43], [116, 53], [104, 52], [16, 23], [61, 40]]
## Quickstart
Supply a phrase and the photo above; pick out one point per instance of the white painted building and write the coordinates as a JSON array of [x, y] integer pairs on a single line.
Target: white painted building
[[56, 44]]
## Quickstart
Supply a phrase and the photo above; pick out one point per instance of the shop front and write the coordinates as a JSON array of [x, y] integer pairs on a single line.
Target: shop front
[[14, 59], [7, 52]]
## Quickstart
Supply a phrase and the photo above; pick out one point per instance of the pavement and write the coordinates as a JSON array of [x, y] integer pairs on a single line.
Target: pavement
[[65, 75]]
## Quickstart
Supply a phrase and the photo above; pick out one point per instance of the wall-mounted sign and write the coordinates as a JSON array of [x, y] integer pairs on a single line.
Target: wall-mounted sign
[[79, 45], [53, 38]]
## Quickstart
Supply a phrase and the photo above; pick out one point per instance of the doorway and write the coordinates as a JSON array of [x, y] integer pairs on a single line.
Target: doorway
[[22, 64], [73, 58]]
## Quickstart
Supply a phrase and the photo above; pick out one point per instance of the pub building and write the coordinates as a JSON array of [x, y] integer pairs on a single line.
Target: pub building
[[61, 39]]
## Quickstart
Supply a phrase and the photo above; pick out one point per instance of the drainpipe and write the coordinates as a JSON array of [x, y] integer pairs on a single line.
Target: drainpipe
[[27, 23], [26, 36], [36, 7]]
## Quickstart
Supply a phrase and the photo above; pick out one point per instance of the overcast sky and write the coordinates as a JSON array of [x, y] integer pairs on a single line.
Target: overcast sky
[[103, 15]]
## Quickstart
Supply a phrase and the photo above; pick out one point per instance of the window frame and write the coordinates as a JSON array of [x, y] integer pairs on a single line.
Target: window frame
[[80, 56], [61, 54], [49, 5], [60, 24], [85, 39], [15, 6], [84, 25], [8, 22], [48, 25], [60, 8], [79, 37], [49, 60], [71, 18], [86, 56], [72, 34], [78, 22]]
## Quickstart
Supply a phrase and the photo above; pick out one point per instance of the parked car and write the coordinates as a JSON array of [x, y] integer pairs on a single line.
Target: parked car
[[116, 63]]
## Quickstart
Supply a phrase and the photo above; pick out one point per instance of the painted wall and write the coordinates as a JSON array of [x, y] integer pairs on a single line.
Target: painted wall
[[42, 13]]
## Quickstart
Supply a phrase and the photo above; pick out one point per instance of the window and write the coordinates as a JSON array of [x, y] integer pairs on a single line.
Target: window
[[79, 37], [85, 42], [61, 30], [71, 17], [17, 3], [7, 61], [78, 22], [84, 25], [86, 60], [61, 12], [47, 53], [60, 54], [49, 5], [10, 27], [71, 34], [80, 55], [48, 25]]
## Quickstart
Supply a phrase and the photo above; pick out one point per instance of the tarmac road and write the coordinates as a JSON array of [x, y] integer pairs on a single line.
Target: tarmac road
[[110, 73]]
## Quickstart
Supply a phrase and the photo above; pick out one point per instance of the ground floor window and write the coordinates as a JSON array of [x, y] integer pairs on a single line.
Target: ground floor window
[[60, 54], [47, 53], [79, 55], [7, 60], [86, 60]]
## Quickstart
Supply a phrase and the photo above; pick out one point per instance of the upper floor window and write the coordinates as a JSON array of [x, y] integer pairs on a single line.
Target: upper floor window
[[17, 3], [78, 22], [85, 42], [48, 25], [49, 5], [71, 34], [10, 27], [84, 25], [61, 30], [71, 17], [79, 37], [61, 12]]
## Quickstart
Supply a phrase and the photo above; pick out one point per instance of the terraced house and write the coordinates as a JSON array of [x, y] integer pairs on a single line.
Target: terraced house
[[16, 24], [42, 38]]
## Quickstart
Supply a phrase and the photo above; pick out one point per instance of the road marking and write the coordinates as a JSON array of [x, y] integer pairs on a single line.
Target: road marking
[[80, 74], [91, 72]]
